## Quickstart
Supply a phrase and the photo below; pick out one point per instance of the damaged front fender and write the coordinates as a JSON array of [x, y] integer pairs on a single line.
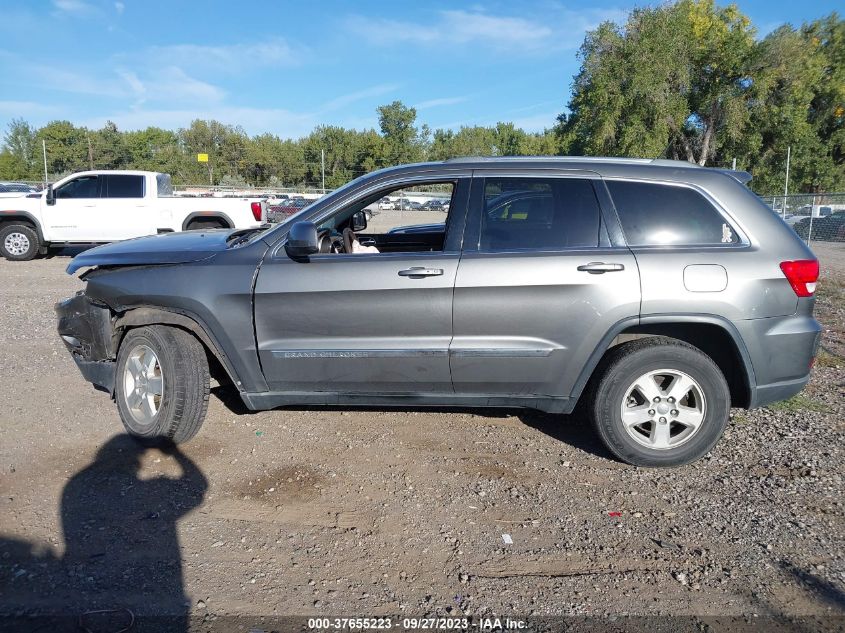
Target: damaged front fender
[[87, 331]]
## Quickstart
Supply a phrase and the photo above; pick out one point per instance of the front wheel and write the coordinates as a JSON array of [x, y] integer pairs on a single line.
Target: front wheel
[[659, 402], [19, 242], [161, 384]]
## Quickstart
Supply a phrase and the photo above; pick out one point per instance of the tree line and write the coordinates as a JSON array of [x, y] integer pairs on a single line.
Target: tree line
[[690, 80]]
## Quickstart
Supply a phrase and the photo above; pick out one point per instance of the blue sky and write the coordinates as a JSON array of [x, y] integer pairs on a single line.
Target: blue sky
[[284, 67]]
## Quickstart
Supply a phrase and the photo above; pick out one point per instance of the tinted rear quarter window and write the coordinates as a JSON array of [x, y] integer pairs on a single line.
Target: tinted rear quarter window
[[539, 213], [654, 214], [123, 186]]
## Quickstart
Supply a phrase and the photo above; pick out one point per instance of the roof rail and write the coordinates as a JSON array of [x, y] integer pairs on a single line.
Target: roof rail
[[742, 176], [573, 159]]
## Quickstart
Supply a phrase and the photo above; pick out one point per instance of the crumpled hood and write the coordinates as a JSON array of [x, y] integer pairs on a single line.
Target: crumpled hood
[[168, 248]]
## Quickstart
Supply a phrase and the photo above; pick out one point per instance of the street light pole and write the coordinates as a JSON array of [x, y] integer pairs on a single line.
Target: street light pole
[[44, 151]]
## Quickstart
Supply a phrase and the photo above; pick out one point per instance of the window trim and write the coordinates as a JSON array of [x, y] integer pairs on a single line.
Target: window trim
[[99, 179], [480, 178], [729, 219], [462, 182]]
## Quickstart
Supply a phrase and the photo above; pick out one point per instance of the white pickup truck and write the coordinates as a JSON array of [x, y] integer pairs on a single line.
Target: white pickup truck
[[92, 207]]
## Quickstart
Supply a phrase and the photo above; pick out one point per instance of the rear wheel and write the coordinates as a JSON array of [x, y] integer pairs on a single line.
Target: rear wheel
[[161, 384], [659, 402], [19, 242]]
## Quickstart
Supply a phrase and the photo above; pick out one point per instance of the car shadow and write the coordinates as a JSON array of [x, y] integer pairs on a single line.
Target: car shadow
[[122, 561], [573, 429], [570, 429], [67, 251], [824, 591]]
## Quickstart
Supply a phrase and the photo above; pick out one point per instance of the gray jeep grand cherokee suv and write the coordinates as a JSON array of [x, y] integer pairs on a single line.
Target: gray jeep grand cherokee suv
[[653, 294]]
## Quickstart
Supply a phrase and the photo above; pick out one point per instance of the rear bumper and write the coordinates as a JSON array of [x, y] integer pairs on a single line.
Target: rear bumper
[[86, 330], [766, 394], [781, 350]]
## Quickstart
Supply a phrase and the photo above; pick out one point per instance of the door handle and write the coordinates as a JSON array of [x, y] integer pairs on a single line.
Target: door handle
[[367, 241], [598, 268], [418, 271]]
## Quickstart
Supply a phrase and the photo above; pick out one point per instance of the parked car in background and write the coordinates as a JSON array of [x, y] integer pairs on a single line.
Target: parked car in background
[[830, 228], [385, 204], [15, 189], [93, 207], [407, 203], [435, 204], [655, 294], [285, 208]]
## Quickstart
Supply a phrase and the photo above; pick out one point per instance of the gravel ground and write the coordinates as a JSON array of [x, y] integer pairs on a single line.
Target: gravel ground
[[364, 512]]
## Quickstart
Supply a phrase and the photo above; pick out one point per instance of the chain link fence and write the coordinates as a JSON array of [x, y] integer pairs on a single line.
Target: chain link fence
[[814, 217]]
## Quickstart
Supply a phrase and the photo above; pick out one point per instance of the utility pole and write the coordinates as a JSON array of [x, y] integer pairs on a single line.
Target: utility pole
[[733, 166], [323, 167], [44, 150], [786, 182], [90, 153]]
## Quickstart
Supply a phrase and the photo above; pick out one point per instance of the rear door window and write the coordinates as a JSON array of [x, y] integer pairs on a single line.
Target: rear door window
[[539, 214], [654, 214], [123, 186]]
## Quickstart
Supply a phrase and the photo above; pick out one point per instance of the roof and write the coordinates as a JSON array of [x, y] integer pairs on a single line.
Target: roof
[[608, 166]]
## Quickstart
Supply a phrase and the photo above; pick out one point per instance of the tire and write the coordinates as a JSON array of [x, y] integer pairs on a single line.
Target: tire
[[176, 412], [666, 432], [19, 242]]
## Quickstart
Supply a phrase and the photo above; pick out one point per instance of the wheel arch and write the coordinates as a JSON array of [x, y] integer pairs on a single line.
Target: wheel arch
[[146, 315], [14, 217], [714, 335], [207, 215]]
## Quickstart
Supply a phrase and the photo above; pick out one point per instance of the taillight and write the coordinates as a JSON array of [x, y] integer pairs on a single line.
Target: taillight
[[802, 275], [256, 210]]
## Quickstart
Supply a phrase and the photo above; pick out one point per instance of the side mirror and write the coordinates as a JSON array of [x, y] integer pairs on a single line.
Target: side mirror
[[302, 240], [359, 221], [50, 198]]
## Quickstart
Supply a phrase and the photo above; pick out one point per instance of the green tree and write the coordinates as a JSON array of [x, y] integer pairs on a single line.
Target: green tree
[[402, 141], [674, 81], [19, 146], [799, 103], [67, 147]]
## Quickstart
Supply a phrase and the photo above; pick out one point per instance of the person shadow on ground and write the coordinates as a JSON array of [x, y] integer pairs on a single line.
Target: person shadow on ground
[[122, 559]]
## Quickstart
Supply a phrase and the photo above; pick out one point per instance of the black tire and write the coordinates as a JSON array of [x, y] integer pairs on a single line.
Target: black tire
[[183, 367], [625, 364], [19, 236]]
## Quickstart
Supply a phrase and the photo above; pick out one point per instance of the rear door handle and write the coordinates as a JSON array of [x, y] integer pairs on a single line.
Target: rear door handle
[[598, 268], [418, 271]]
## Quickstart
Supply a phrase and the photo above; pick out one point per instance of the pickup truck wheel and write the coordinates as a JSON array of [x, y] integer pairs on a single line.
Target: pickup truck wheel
[[659, 402], [161, 384], [19, 242]]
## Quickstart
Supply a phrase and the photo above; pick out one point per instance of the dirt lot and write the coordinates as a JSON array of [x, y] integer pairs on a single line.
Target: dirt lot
[[362, 512]]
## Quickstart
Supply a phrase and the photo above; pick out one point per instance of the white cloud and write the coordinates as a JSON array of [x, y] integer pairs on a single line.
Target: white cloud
[[119, 7], [344, 100], [443, 101], [560, 28], [73, 6], [537, 122], [232, 58], [26, 109], [280, 121]]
